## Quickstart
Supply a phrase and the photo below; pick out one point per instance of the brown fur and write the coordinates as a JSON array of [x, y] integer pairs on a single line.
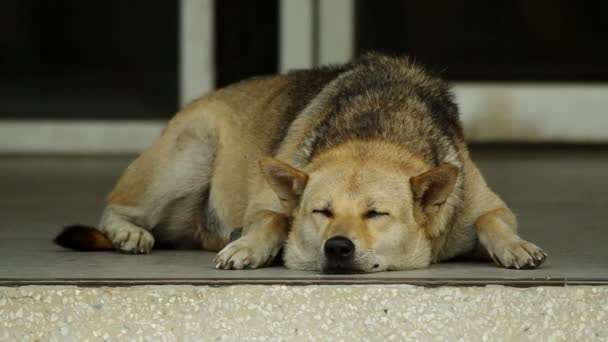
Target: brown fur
[[371, 151], [83, 238]]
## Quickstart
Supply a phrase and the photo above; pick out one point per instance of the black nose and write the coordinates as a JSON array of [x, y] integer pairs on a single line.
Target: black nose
[[339, 247]]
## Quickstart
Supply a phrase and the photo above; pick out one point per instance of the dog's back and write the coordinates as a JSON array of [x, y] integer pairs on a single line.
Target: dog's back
[[389, 99]]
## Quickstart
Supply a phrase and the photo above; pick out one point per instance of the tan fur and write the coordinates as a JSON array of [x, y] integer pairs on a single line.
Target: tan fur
[[372, 173], [236, 159], [205, 144], [431, 190]]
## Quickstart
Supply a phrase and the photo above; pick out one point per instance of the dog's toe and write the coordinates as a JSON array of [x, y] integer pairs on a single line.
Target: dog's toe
[[243, 253], [519, 254], [133, 240]]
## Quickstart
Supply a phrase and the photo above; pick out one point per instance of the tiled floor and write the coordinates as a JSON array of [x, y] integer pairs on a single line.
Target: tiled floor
[[560, 195]]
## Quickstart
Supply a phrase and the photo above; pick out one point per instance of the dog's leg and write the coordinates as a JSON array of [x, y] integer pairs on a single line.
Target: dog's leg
[[259, 245], [160, 192], [494, 224], [497, 233], [123, 218], [267, 221], [124, 234]]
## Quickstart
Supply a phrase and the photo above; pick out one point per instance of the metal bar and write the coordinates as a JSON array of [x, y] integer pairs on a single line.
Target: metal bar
[[77, 137], [490, 112], [296, 34], [336, 31], [321, 280], [197, 74]]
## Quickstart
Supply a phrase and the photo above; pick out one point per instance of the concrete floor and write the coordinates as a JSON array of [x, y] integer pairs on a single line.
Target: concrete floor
[[303, 313], [560, 195]]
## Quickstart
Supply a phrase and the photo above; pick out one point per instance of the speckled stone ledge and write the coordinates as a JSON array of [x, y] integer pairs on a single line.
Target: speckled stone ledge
[[294, 313]]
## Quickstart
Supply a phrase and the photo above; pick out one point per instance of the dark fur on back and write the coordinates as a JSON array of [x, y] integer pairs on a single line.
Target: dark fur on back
[[303, 87], [391, 99], [383, 97]]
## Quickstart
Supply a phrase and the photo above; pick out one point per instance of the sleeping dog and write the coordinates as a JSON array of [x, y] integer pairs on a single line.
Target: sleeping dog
[[361, 167]]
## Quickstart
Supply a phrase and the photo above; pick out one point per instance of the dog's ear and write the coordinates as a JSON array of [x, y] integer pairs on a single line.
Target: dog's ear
[[286, 181], [432, 188]]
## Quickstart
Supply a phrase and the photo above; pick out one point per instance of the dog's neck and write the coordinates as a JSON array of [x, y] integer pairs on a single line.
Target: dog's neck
[[374, 151]]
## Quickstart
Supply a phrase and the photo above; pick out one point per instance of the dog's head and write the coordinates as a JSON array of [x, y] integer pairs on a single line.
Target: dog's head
[[360, 212]]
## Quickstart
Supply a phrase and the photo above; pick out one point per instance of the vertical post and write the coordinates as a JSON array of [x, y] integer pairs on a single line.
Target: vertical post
[[296, 34], [336, 31], [196, 68]]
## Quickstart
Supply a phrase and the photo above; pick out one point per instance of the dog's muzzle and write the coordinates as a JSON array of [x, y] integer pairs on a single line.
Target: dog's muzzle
[[339, 254]]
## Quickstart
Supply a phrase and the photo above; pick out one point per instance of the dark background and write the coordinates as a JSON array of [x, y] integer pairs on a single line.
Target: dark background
[[88, 59], [115, 59], [515, 40]]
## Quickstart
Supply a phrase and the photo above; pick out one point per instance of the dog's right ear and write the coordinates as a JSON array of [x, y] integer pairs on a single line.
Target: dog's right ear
[[286, 181], [432, 188], [431, 191]]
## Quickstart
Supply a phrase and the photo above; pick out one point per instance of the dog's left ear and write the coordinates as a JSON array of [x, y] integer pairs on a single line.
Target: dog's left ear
[[432, 188], [286, 181]]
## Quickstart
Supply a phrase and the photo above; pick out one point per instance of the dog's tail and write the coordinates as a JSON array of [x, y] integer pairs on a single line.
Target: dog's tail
[[83, 238]]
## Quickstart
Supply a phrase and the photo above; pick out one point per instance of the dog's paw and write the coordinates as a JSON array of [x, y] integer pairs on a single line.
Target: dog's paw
[[245, 252], [518, 254], [132, 240]]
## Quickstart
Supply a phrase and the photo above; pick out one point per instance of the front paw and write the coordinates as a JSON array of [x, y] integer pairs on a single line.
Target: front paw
[[246, 252], [517, 253]]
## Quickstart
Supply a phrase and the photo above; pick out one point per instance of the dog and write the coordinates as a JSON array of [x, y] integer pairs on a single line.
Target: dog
[[354, 168]]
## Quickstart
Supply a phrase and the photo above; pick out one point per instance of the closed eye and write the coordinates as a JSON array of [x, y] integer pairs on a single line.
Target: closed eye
[[374, 213], [324, 212]]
